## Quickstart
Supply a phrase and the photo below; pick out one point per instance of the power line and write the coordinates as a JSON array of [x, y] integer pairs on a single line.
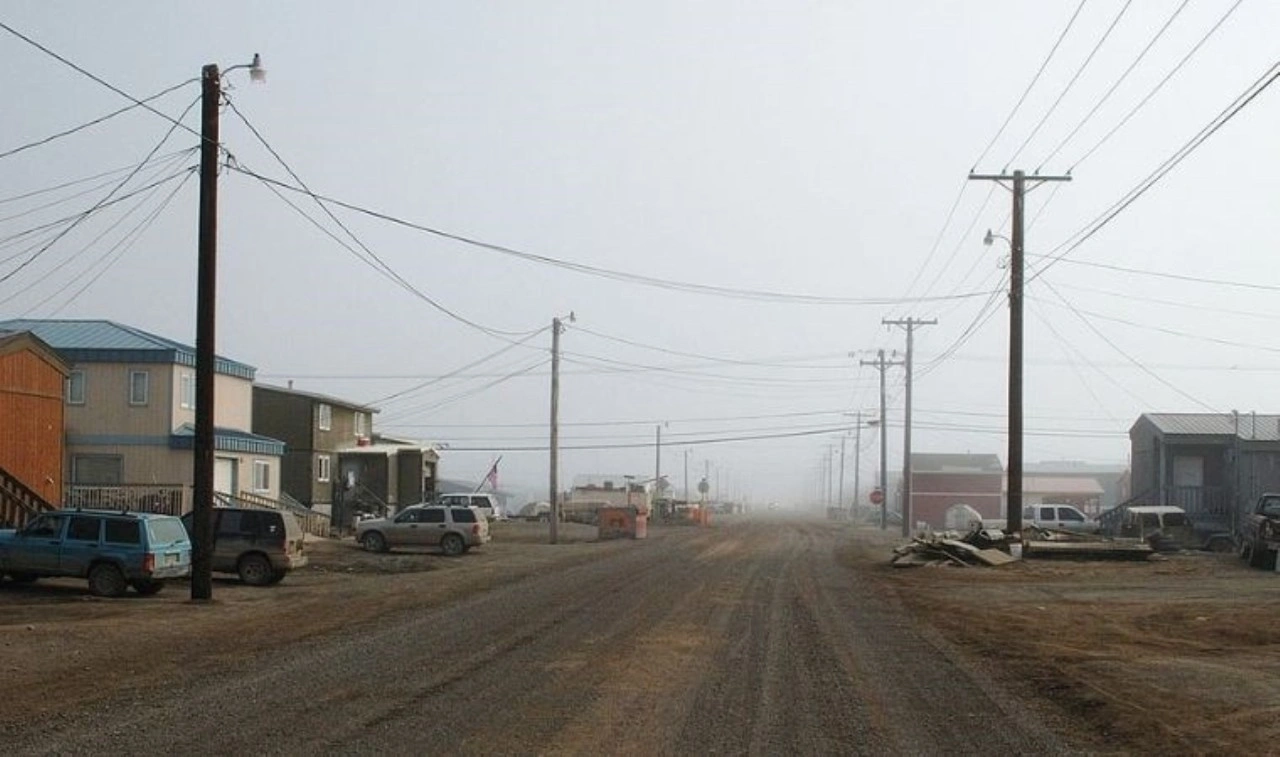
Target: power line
[[1159, 85], [100, 203], [378, 263], [633, 278], [129, 241], [1098, 332], [1088, 59], [140, 103], [96, 121], [452, 374], [1114, 86], [1018, 105], [1240, 103], [1166, 275]]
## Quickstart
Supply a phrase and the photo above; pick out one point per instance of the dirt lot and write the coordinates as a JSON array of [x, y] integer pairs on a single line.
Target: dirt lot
[[1178, 655], [62, 646]]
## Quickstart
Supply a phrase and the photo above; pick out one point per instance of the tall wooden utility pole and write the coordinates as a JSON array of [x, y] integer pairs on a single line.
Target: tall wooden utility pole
[[206, 321], [910, 324], [883, 365], [657, 461], [840, 488], [857, 463], [555, 429], [1018, 187]]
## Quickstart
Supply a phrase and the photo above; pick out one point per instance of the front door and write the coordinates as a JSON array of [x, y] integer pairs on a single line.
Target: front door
[[42, 542], [1188, 471], [226, 475]]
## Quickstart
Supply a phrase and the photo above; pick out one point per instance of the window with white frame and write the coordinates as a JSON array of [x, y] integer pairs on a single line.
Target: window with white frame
[[187, 391], [139, 387], [362, 424], [75, 388], [261, 476], [323, 468], [324, 417]]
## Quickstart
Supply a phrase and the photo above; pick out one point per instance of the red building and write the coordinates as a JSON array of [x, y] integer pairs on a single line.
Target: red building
[[939, 481], [31, 425]]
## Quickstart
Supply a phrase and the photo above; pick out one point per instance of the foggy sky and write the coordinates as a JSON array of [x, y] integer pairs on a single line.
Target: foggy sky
[[797, 147]]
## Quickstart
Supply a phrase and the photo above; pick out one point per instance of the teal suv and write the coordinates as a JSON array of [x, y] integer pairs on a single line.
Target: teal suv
[[113, 550]]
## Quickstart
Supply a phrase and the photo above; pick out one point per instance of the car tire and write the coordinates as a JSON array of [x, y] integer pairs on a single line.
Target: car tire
[[452, 545], [255, 570], [1257, 558], [277, 576], [23, 578], [148, 588], [106, 580], [374, 542]]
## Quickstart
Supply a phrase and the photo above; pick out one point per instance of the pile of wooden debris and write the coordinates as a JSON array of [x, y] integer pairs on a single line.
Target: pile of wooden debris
[[979, 547]]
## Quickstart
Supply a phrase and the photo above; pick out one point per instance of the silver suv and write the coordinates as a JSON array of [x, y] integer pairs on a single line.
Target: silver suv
[[454, 529]]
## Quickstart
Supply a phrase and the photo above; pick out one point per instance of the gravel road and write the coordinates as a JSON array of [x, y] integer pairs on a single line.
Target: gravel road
[[747, 638]]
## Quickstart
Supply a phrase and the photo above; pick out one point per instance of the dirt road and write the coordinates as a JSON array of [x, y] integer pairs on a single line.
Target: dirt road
[[749, 638]]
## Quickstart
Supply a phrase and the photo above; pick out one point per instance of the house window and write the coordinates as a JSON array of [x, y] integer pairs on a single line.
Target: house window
[[139, 384], [261, 476], [75, 388], [323, 468], [362, 424], [324, 417], [187, 391]]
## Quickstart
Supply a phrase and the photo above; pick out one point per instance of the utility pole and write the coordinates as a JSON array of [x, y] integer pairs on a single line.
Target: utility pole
[[686, 476], [840, 494], [910, 324], [657, 461], [1018, 188], [206, 322], [883, 365], [857, 463], [555, 429]]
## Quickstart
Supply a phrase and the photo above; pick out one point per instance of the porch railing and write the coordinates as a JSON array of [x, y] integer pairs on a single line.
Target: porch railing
[[165, 499], [18, 502]]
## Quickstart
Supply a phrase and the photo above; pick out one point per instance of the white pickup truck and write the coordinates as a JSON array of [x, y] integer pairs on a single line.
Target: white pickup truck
[[1053, 516]]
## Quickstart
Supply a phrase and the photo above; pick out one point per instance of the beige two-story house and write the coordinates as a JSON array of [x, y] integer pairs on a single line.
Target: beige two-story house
[[130, 417]]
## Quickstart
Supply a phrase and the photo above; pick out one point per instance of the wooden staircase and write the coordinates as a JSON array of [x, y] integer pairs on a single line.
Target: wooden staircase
[[18, 503]]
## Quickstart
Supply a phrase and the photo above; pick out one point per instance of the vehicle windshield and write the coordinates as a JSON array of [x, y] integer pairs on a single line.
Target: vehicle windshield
[[166, 531]]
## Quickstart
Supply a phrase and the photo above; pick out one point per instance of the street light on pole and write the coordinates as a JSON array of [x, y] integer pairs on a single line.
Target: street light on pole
[[206, 321]]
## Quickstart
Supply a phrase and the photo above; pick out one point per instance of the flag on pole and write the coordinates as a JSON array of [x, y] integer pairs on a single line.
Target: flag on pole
[[491, 479]]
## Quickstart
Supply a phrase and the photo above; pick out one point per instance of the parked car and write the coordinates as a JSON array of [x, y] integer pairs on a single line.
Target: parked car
[[1260, 533], [112, 549], [487, 503], [1164, 526], [260, 545], [1059, 517], [454, 529]]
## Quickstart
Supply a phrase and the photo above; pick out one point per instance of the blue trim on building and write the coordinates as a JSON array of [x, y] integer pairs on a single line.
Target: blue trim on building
[[229, 440]]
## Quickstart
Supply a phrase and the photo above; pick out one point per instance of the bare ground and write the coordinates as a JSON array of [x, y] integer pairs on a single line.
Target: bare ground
[[754, 638]]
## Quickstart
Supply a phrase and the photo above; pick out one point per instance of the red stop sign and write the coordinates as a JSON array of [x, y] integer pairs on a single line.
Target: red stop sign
[[877, 496]]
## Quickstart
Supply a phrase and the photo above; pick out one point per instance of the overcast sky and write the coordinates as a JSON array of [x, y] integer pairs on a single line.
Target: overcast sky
[[808, 149]]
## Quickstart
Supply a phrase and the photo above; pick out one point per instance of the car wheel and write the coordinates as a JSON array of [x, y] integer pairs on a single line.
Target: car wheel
[[277, 576], [452, 545], [255, 570], [148, 588], [1257, 558], [23, 578], [106, 580], [374, 542]]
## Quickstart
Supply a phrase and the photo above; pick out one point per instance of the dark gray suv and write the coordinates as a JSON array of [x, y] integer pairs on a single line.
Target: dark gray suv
[[260, 545]]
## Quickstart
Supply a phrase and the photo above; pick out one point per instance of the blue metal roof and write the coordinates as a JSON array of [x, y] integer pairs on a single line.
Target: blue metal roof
[[79, 341], [228, 440]]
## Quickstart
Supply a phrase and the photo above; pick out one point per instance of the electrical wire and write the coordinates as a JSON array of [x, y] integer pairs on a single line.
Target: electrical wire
[[137, 234], [1166, 275], [1136, 363], [100, 203], [1223, 118], [1052, 108], [633, 278], [452, 374], [96, 121], [86, 179], [1172, 332], [378, 264], [1114, 86], [467, 394], [1018, 105], [1159, 85], [89, 74]]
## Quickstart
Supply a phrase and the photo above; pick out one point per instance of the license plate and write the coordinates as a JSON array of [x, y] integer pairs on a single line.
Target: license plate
[[173, 558]]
